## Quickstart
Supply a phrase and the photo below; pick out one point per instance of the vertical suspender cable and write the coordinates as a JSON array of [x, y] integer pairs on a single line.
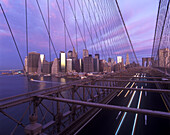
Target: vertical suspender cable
[[46, 28], [48, 9], [162, 31], [26, 21], [156, 28], [126, 31], [77, 23], [65, 40], [13, 37], [76, 26], [64, 23]]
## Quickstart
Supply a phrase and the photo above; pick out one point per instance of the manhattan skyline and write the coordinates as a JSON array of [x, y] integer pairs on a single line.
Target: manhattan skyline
[[140, 19]]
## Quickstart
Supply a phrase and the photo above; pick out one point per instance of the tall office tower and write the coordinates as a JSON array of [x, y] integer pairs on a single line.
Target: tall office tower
[[113, 62], [127, 59], [122, 63], [101, 65], [74, 53], [40, 66], [88, 64], [55, 67], [33, 59], [117, 67], [76, 64], [164, 57], [97, 56], [69, 54], [73, 63], [62, 61], [107, 67], [46, 67], [26, 64], [69, 65], [81, 65], [85, 53], [42, 58], [109, 59], [119, 59], [96, 64]]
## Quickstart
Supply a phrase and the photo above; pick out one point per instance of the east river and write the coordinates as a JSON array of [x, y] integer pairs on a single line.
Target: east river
[[11, 85]]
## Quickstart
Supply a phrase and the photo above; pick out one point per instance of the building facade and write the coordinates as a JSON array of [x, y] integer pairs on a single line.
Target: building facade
[[69, 54], [55, 67], [96, 64], [164, 58], [62, 61], [85, 53], [119, 59], [69, 65], [88, 64], [26, 64], [33, 60], [127, 59]]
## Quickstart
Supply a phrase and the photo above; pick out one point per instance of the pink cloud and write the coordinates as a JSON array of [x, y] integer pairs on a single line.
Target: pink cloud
[[4, 33], [5, 2]]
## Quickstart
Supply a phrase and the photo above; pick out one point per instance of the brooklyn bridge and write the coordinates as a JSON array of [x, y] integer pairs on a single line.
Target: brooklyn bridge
[[74, 70]]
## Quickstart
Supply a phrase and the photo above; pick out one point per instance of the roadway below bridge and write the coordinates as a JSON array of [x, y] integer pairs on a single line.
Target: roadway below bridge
[[111, 122]]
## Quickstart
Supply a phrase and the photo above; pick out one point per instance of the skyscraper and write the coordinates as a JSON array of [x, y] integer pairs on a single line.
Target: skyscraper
[[85, 53], [97, 56], [69, 54], [55, 66], [164, 57], [26, 64], [40, 63], [88, 64], [40, 67], [81, 65], [119, 59], [69, 65], [42, 58], [96, 64], [46, 67], [127, 59], [109, 59], [63, 61], [101, 65], [33, 59], [74, 53]]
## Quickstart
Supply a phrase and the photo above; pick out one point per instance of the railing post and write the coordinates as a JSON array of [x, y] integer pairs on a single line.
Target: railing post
[[73, 108], [91, 95], [34, 128], [59, 115], [98, 93], [84, 98]]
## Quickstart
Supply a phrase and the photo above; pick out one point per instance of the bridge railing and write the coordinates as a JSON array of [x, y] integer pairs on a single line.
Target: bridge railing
[[65, 107], [50, 113]]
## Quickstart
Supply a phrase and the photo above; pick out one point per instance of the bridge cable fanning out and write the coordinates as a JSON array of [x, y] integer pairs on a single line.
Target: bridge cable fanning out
[[46, 28], [126, 31], [15, 43], [62, 17]]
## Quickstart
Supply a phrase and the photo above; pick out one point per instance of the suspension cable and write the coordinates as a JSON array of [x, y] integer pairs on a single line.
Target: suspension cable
[[46, 28], [13, 37], [126, 31], [64, 23]]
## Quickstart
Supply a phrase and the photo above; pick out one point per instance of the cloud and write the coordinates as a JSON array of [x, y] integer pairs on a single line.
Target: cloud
[[140, 27], [5, 2], [4, 33]]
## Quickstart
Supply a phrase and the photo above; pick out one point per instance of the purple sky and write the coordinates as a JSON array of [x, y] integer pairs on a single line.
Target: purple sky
[[139, 16]]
